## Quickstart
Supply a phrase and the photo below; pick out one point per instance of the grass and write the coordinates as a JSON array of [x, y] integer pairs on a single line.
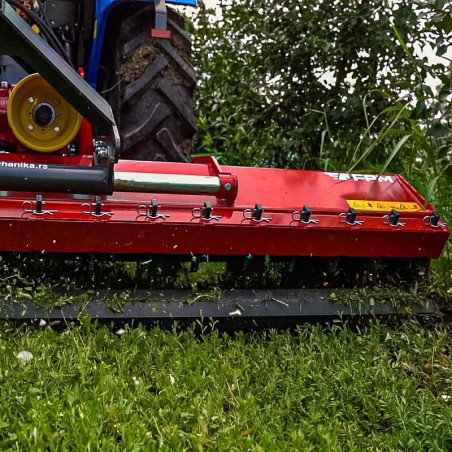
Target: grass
[[89, 387]]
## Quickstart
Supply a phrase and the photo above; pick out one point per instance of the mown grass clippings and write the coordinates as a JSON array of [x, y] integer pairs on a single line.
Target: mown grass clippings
[[396, 297], [117, 282], [316, 388], [112, 282]]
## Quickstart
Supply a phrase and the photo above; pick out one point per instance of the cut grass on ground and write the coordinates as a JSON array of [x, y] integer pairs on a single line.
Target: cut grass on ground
[[317, 388]]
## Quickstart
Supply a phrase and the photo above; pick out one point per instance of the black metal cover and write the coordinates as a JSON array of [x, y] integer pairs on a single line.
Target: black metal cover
[[29, 177]]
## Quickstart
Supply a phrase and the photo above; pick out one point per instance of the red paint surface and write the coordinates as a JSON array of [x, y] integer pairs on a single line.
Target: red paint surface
[[279, 191], [161, 34], [7, 138]]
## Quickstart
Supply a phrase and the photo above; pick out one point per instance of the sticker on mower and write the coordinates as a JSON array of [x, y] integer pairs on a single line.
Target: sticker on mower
[[359, 177], [23, 165], [359, 204]]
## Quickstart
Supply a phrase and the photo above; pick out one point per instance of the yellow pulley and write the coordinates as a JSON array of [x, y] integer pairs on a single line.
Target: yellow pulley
[[39, 117]]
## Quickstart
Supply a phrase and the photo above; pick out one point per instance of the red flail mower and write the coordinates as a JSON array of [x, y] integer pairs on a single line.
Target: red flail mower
[[284, 240]]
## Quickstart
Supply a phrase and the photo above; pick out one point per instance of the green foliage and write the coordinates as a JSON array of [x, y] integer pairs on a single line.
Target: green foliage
[[284, 83]]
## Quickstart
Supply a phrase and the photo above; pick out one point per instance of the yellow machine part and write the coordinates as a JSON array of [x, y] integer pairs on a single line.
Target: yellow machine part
[[39, 117]]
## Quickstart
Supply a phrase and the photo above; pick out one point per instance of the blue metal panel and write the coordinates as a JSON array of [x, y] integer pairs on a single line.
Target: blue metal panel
[[103, 7]]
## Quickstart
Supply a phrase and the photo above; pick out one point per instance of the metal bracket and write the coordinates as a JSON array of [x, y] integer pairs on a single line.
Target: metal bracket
[[434, 220], [304, 216], [151, 211], [95, 209], [350, 218], [161, 21], [393, 219], [205, 212], [256, 214], [37, 210]]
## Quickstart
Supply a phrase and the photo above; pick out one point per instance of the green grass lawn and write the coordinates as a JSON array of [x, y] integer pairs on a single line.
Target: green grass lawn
[[316, 388]]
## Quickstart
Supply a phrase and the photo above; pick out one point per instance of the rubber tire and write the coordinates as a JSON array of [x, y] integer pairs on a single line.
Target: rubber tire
[[153, 101]]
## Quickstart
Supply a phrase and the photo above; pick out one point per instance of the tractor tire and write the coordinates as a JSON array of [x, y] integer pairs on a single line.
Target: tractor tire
[[153, 101]]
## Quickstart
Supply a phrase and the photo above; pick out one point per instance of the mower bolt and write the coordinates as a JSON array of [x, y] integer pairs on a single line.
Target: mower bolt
[[30, 127], [31, 100], [227, 186], [56, 129]]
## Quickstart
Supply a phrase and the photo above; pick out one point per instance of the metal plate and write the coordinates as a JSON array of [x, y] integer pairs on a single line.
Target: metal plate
[[233, 309]]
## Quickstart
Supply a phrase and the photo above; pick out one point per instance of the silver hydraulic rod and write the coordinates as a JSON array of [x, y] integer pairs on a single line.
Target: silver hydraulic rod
[[166, 183]]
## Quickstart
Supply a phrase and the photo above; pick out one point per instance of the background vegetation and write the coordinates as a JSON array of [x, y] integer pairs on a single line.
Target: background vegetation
[[299, 83]]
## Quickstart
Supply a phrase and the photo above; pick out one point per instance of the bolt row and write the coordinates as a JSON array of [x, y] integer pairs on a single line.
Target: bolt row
[[205, 213]]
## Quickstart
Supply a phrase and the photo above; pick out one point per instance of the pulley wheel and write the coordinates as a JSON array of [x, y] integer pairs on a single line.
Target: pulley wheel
[[39, 117]]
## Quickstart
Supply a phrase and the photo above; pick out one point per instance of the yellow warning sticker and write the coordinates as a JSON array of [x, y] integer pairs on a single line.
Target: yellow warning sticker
[[359, 204]]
